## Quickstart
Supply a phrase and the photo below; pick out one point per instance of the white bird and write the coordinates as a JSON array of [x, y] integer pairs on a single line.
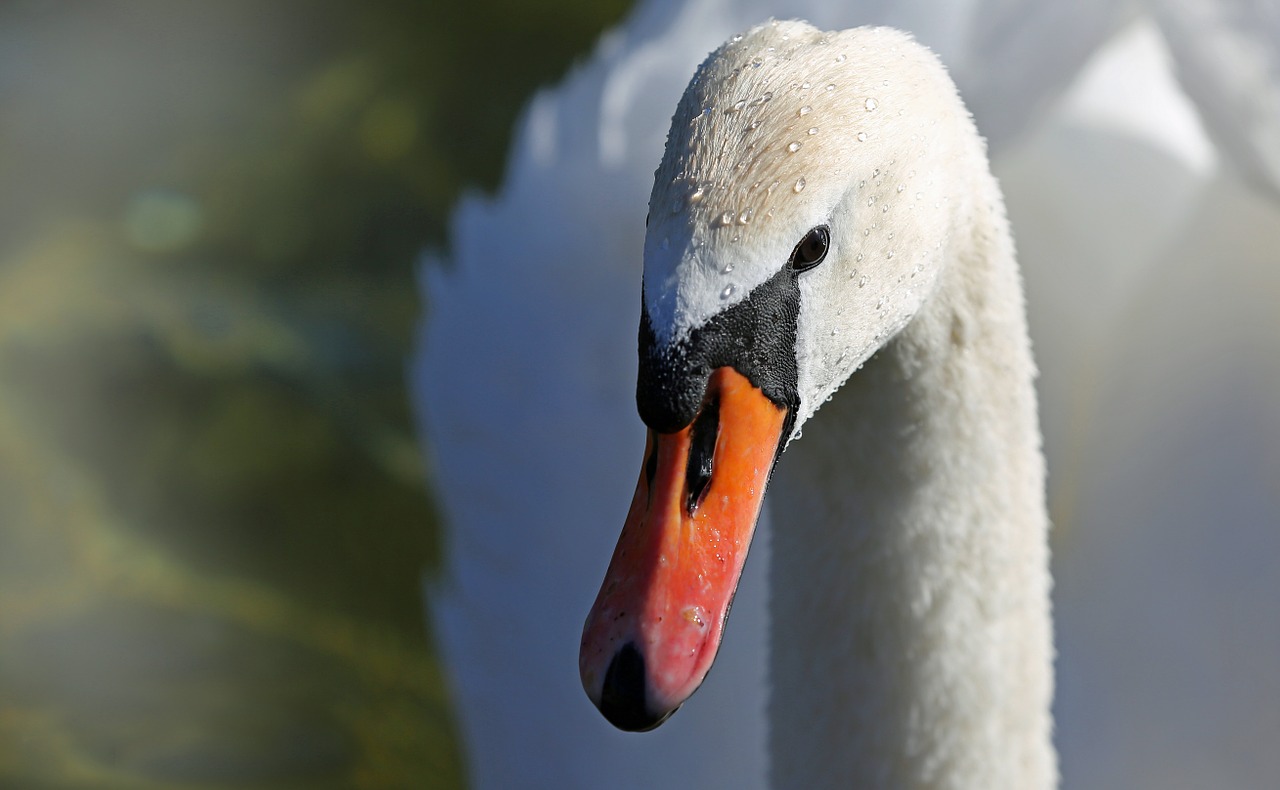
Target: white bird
[[539, 296], [824, 202]]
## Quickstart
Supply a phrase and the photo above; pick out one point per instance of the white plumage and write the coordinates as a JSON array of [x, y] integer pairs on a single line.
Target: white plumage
[[910, 639], [543, 293]]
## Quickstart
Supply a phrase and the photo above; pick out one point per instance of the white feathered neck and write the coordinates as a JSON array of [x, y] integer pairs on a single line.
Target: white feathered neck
[[911, 643]]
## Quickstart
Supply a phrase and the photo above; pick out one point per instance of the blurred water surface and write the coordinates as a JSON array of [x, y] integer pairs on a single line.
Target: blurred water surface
[[213, 519]]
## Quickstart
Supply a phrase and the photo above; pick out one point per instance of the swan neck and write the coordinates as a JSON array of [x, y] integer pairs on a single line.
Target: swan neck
[[910, 613]]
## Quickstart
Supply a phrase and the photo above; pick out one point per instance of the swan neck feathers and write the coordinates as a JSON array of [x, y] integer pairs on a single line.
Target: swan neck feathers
[[911, 543]]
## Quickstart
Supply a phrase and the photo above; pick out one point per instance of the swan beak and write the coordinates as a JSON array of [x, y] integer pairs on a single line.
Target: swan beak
[[655, 627]]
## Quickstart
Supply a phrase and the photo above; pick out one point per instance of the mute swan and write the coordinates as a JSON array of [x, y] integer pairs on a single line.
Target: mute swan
[[824, 197], [521, 341]]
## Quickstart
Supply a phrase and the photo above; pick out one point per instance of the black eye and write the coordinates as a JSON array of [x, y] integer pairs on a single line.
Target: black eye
[[811, 249]]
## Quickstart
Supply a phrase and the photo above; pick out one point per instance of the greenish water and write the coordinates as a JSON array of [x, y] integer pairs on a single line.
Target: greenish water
[[213, 517]]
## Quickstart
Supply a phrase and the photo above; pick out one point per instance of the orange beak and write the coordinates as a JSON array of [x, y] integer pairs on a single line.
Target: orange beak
[[655, 627]]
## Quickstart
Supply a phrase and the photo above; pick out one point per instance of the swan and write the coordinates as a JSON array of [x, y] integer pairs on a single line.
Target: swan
[[824, 219], [524, 345]]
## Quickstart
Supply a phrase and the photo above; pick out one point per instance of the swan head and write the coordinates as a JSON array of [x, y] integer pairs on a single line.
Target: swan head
[[798, 220]]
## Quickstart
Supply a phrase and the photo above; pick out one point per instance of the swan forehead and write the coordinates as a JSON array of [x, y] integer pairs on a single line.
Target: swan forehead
[[763, 146]]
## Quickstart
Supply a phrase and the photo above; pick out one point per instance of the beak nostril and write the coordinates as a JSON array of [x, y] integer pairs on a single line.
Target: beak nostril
[[702, 449]]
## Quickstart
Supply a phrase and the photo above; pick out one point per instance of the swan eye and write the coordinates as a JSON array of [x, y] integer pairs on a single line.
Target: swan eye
[[811, 249]]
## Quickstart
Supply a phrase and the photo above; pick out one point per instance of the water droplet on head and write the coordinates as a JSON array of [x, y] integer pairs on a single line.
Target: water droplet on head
[[889, 254], [901, 187], [728, 291], [840, 58], [728, 267], [698, 195], [793, 147], [805, 110], [813, 130], [859, 259], [870, 104], [863, 282], [745, 216], [862, 137], [831, 86], [799, 187], [726, 218], [919, 195], [737, 106], [805, 85]]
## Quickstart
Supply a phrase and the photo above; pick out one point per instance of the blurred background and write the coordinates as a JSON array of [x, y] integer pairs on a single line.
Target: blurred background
[[218, 375], [213, 517]]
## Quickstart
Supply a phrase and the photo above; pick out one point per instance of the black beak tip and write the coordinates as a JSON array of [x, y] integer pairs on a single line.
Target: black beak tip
[[623, 700]]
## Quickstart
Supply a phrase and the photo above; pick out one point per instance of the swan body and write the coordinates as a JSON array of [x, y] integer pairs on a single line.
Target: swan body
[[911, 641]]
